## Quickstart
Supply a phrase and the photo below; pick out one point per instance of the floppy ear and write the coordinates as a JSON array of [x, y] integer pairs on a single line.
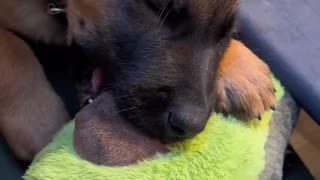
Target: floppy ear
[[244, 86]]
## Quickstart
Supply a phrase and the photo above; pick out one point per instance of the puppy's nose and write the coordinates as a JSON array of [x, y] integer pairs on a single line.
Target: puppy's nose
[[184, 125]]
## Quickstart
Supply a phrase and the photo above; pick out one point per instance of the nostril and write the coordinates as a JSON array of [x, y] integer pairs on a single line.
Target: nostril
[[175, 127], [184, 125]]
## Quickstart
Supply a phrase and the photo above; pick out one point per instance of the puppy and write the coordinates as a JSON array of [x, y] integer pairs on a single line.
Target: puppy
[[102, 136], [160, 59]]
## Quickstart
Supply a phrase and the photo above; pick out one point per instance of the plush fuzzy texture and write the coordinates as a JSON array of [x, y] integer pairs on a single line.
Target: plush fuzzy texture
[[227, 149]]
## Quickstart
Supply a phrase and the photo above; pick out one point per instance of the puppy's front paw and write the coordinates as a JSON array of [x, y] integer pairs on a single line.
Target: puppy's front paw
[[244, 86]]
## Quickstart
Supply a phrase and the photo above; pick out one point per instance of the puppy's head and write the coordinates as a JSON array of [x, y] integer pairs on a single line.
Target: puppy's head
[[159, 57]]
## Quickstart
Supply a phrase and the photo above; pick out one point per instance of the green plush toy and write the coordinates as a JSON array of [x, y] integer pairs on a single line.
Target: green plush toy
[[228, 149]]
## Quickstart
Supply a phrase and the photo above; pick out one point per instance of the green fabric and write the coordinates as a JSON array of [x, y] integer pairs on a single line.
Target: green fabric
[[228, 149]]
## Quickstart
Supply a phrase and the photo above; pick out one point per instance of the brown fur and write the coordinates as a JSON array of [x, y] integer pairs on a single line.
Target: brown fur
[[30, 106], [244, 83], [83, 14], [152, 46], [30, 111], [30, 18], [103, 137]]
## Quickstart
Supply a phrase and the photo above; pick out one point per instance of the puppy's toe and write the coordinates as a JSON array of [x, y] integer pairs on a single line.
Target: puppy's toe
[[245, 98]]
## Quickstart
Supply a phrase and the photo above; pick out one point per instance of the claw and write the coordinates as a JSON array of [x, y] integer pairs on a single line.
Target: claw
[[273, 108], [259, 117]]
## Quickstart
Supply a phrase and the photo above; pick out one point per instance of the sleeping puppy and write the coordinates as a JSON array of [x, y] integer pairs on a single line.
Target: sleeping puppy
[[158, 57], [104, 137]]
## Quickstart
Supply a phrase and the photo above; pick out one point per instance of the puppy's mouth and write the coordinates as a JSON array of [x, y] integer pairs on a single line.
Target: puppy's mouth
[[98, 81], [98, 85]]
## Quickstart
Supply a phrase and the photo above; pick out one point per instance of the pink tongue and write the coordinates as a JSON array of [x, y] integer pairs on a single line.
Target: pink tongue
[[97, 81]]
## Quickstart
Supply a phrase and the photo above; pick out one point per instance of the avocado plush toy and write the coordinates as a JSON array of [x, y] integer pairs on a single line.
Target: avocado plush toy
[[226, 149]]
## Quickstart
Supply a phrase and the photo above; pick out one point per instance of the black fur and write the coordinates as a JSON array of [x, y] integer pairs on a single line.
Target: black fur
[[161, 68]]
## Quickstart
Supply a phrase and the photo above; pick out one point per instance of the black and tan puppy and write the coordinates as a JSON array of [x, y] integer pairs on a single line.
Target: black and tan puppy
[[158, 57], [104, 137], [161, 60]]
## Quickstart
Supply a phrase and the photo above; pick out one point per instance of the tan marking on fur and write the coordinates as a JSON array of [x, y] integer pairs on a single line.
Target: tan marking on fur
[[246, 79], [87, 10], [30, 18], [30, 111]]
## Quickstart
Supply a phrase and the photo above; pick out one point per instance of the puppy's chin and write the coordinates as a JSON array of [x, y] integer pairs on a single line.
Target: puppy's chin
[[103, 137]]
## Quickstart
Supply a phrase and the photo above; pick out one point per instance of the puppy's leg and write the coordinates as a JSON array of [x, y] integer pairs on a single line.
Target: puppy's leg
[[244, 85], [30, 111]]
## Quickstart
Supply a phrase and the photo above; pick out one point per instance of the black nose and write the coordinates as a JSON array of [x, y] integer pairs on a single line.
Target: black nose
[[184, 125]]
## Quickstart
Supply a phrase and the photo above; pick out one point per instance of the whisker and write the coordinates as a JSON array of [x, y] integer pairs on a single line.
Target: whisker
[[164, 18], [236, 35], [130, 95], [128, 109], [160, 13], [106, 89], [135, 116], [118, 112], [131, 117]]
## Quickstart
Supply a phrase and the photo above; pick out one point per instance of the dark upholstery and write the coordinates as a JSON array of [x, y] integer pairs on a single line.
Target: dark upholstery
[[10, 168], [286, 34]]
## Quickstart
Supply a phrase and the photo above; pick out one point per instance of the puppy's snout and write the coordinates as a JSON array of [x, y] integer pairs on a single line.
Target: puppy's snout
[[184, 125]]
